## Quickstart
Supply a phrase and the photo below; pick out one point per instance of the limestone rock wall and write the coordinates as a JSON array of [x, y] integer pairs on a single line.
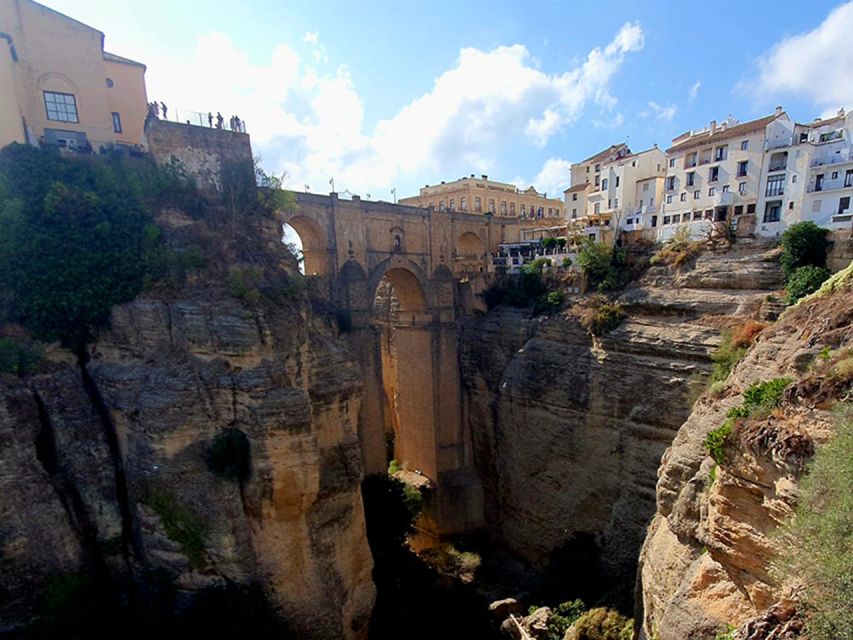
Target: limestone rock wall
[[94, 461], [569, 429], [706, 562]]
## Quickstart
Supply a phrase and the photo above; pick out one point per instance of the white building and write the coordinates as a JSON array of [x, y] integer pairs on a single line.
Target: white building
[[614, 189], [715, 175], [829, 176]]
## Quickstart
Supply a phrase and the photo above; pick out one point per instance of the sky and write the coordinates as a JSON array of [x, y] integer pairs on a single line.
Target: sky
[[385, 95]]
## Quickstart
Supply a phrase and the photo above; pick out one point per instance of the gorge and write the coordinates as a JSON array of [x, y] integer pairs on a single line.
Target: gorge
[[572, 462]]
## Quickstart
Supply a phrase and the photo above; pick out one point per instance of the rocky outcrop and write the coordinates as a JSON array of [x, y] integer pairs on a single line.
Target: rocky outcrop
[[707, 560], [98, 464], [569, 429]]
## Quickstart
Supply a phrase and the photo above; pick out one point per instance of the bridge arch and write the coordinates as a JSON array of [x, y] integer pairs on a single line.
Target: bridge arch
[[314, 243], [470, 246], [408, 280]]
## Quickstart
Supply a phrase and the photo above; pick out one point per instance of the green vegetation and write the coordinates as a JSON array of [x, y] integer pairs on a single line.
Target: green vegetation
[[821, 531], [567, 262], [678, 249], [555, 299], [725, 357], [804, 249], [243, 283], [394, 467], [804, 281], [523, 290], [549, 243], [726, 634], [803, 244], [449, 560], [603, 317], [562, 617], [78, 236], [230, 456], [601, 624], [759, 400], [181, 524], [604, 266], [18, 356]]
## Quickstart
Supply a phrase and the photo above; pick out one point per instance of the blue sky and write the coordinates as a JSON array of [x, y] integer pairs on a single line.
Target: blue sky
[[385, 94]]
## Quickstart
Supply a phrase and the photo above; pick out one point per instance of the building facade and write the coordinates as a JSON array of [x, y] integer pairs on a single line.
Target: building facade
[[58, 85], [614, 189], [714, 175], [827, 180], [481, 195]]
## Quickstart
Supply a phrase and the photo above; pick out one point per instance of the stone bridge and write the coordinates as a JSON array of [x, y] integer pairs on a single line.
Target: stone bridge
[[401, 275]]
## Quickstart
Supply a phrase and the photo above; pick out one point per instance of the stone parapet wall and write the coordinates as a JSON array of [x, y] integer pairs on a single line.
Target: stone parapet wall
[[203, 151], [841, 253]]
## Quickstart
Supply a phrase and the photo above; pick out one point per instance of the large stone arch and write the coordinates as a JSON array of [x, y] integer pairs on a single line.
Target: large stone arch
[[314, 243], [410, 284], [470, 246]]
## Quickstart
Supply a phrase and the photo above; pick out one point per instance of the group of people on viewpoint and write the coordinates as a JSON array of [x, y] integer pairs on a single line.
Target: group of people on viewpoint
[[234, 124]]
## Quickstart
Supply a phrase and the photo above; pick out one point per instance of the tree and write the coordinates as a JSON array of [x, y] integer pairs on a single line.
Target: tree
[[603, 265], [803, 243]]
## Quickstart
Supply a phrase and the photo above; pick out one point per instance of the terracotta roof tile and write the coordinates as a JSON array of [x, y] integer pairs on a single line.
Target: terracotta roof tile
[[705, 137]]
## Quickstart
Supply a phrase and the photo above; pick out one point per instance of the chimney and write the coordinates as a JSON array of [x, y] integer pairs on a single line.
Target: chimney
[[778, 111], [713, 128], [472, 175], [484, 176], [841, 112]]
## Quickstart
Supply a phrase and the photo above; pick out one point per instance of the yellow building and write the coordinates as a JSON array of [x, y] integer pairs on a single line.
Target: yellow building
[[481, 195], [59, 86]]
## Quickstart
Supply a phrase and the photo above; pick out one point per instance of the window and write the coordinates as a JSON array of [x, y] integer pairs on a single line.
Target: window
[[684, 196], [709, 214], [741, 188], [818, 182], [669, 199], [441, 206], [512, 208], [742, 168], [691, 178], [110, 83], [116, 122], [575, 197], [652, 201], [492, 206], [523, 210], [453, 204], [848, 178], [778, 161], [654, 221], [713, 174], [676, 218], [843, 204], [617, 181], [609, 203], [794, 179], [697, 215], [835, 175], [550, 211], [671, 164], [744, 146], [738, 209], [629, 221], [773, 211], [478, 204], [574, 213], [690, 161], [667, 219], [604, 183], [645, 186], [750, 208], [775, 186], [597, 180], [670, 183], [503, 207], [598, 167], [791, 205], [720, 153], [712, 191], [616, 202], [597, 208], [804, 136], [696, 194], [463, 204], [61, 106], [725, 188]]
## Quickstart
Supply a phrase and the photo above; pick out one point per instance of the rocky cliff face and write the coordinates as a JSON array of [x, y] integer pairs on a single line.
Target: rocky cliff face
[[569, 429], [108, 465], [706, 562]]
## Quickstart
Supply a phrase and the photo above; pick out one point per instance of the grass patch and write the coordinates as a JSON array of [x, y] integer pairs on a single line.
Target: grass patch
[[759, 400]]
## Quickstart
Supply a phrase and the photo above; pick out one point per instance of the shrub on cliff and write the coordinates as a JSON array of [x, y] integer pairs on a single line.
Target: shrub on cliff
[[821, 532], [77, 237], [601, 624], [803, 244], [805, 280], [603, 318], [604, 266]]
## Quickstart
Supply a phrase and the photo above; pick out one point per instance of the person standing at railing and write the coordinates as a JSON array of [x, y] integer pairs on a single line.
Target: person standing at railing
[[210, 119], [165, 111], [219, 120]]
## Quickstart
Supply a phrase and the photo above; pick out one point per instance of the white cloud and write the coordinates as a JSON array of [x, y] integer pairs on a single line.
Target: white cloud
[[694, 90], [310, 121], [659, 112], [554, 177], [817, 65], [614, 123]]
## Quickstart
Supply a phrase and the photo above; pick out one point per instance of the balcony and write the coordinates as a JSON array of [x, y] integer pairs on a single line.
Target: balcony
[[722, 198], [838, 158]]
